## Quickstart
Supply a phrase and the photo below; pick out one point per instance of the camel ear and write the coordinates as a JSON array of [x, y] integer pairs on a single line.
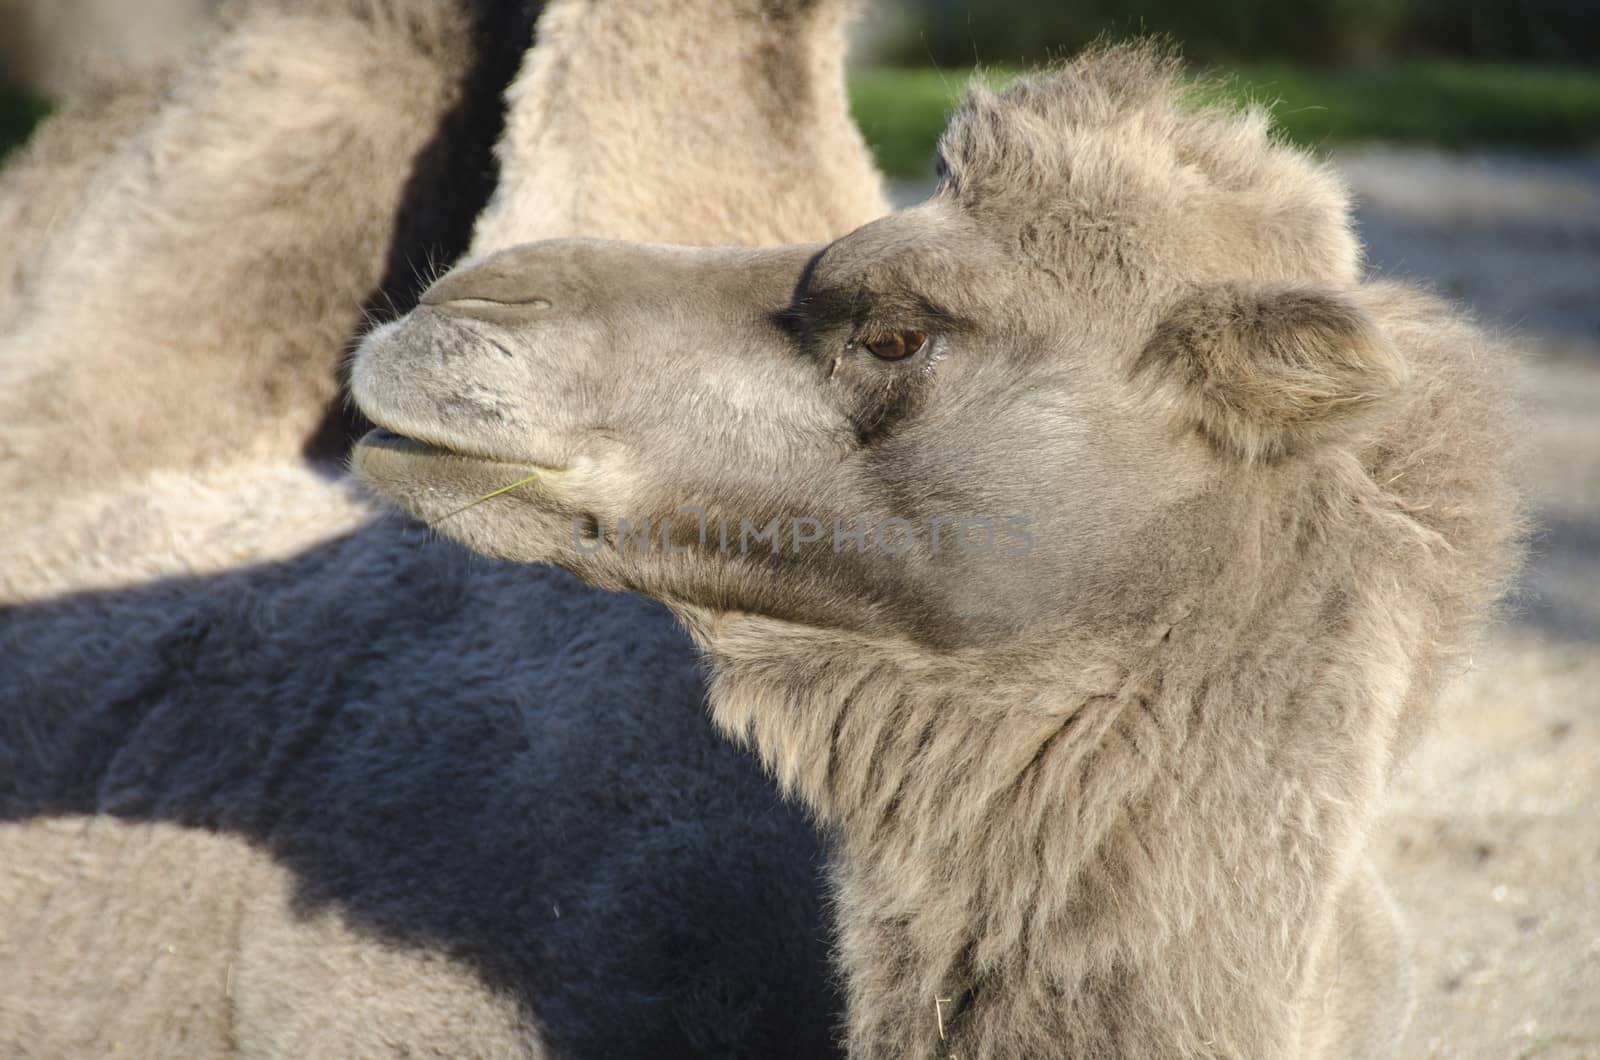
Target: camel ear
[[1271, 371]]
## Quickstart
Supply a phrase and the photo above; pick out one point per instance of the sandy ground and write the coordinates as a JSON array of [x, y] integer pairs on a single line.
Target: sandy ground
[[1492, 846], [1492, 843]]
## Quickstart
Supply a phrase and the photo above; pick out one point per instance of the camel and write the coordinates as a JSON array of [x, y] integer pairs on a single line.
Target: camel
[[57, 164], [1084, 547], [418, 112], [178, 162], [227, 823]]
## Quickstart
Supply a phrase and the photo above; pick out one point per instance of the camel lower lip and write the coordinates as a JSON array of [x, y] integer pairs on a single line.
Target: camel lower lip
[[384, 438], [436, 484]]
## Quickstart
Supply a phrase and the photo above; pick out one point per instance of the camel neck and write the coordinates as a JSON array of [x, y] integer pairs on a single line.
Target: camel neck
[[1053, 853]]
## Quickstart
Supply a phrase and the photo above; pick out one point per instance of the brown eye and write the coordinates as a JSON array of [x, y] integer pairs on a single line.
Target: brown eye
[[896, 345]]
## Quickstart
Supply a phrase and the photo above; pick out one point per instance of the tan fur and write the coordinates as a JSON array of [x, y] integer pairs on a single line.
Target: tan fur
[[313, 169], [1107, 795], [733, 97], [1192, 181], [213, 959], [253, 136], [178, 905], [1264, 373], [60, 48], [42, 187]]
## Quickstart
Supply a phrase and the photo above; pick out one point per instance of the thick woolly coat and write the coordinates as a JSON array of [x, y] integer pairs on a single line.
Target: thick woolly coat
[[279, 775]]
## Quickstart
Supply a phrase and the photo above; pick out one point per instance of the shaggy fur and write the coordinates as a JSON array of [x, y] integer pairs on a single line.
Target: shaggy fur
[[40, 185], [1102, 791], [1267, 373], [784, 131], [252, 135], [368, 801], [265, 753]]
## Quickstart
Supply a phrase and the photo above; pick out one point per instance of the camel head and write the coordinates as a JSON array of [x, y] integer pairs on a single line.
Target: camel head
[[966, 419]]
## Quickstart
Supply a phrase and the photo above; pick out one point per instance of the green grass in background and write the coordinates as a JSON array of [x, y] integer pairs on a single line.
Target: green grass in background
[[1446, 104], [18, 115]]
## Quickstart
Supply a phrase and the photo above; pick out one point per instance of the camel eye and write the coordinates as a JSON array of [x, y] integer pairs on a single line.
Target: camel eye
[[896, 345]]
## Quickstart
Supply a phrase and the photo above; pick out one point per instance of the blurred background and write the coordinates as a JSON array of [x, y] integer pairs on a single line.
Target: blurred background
[[1438, 72], [52, 47], [1469, 133], [1442, 72]]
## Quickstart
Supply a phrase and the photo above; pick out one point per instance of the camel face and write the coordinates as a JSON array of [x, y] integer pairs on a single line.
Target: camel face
[[873, 433], [957, 422]]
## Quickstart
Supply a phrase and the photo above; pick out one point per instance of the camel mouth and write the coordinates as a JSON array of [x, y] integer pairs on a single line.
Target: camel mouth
[[384, 438], [437, 483], [407, 445], [421, 474]]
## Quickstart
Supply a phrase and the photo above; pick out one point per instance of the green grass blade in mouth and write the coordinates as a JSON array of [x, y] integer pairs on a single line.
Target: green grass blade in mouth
[[491, 495]]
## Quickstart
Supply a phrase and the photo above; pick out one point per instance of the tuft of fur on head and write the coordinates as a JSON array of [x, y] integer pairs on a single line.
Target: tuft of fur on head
[[1269, 372], [1117, 136]]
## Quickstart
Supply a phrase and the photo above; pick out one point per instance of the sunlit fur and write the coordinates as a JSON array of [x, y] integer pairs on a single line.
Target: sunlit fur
[[274, 778], [1108, 799], [1140, 835], [259, 184], [144, 329]]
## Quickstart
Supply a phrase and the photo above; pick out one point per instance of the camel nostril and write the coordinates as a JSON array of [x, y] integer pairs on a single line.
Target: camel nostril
[[467, 290], [458, 301], [469, 304]]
